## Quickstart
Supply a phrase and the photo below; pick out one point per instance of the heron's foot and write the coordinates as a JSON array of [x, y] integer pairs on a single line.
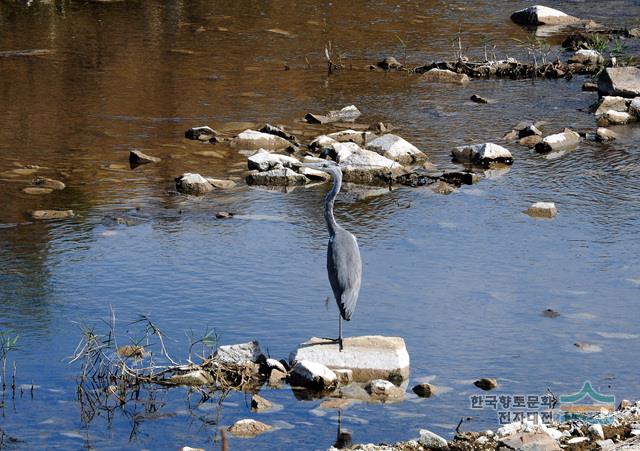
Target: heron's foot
[[335, 340]]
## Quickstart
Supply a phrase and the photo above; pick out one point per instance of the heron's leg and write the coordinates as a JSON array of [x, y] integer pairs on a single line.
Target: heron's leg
[[340, 332]]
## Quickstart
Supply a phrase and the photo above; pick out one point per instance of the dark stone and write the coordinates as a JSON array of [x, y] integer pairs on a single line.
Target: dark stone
[[486, 384], [204, 133], [390, 63], [477, 99], [550, 313], [278, 131], [423, 390]]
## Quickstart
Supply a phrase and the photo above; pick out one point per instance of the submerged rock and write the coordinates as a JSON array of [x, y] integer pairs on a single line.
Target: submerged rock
[[445, 76], [530, 141], [542, 15], [276, 177], [193, 378], [248, 428], [195, 184], [263, 160], [52, 214], [423, 390], [390, 63], [397, 149], [312, 375], [542, 210], [620, 81], [368, 357], [43, 182], [477, 99], [203, 133], [347, 114], [220, 183], [442, 187], [259, 404], [358, 137], [136, 158], [34, 190], [252, 139], [482, 154], [566, 140]]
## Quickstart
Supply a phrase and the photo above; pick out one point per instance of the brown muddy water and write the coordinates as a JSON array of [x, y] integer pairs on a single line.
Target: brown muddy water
[[463, 278]]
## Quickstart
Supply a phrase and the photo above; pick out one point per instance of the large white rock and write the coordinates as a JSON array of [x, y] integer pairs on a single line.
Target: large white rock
[[252, 139], [396, 148], [620, 81], [263, 160], [368, 357], [634, 108], [483, 154], [617, 117], [190, 183], [596, 431], [542, 15], [239, 354], [566, 140], [276, 177], [312, 375], [607, 103], [321, 142], [248, 428], [382, 389], [350, 154], [431, 440], [351, 136], [587, 57]]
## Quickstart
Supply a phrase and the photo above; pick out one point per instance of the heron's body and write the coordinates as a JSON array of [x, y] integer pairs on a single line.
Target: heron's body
[[344, 266]]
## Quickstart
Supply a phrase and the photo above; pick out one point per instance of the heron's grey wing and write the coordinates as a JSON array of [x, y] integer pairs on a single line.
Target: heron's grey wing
[[345, 270]]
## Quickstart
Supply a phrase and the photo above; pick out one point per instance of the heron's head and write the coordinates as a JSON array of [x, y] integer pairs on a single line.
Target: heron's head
[[325, 166]]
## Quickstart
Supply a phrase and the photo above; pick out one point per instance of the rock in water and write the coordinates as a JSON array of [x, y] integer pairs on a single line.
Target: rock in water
[[368, 357], [52, 214], [382, 389], [263, 160], [240, 354], [136, 157], [542, 15], [431, 440], [613, 117], [634, 108], [276, 177], [566, 140], [220, 183], [478, 99], [259, 404], [43, 182], [542, 210], [423, 390], [397, 149], [607, 103], [251, 139], [195, 184], [446, 76], [200, 133], [248, 428], [587, 57], [312, 375], [389, 63], [482, 154], [530, 441], [620, 81], [486, 384]]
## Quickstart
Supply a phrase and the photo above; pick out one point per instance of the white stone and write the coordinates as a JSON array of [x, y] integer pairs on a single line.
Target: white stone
[[382, 389], [635, 432], [314, 174], [248, 428], [604, 444], [239, 354], [445, 76], [617, 117], [190, 183], [321, 142], [252, 139], [220, 183], [604, 134], [313, 375], [368, 357], [347, 114], [350, 154], [482, 154], [432, 440], [482, 440], [553, 432], [596, 431], [587, 57], [396, 148], [263, 160], [575, 440], [607, 103], [542, 15], [273, 363], [276, 177], [566, 140], [634, 108], [620, 81], [542, 210], [351, 136]]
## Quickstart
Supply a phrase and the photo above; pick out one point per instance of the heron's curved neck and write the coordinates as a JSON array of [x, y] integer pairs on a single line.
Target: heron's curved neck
[[332, 225]]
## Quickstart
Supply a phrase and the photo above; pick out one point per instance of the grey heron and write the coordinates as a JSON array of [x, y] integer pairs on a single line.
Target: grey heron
[[344, 265]]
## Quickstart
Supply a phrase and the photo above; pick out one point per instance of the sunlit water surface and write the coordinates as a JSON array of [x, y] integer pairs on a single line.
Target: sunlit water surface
[[462, 278]]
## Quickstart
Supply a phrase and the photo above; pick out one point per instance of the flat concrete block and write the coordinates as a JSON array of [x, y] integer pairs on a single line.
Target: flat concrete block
[[368, 357]]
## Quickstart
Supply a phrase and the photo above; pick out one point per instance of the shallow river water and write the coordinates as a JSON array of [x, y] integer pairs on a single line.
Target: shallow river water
[[462, 278]]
